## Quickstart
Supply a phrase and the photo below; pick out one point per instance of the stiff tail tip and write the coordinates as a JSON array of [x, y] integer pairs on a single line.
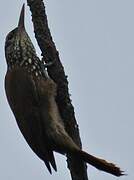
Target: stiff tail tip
[[101, 164]]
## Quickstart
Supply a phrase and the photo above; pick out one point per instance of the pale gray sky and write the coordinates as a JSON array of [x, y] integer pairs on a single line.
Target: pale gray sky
[[95, 39]]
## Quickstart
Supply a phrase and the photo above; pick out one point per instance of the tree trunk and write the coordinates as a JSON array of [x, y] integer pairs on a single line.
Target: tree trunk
[[78, 168]]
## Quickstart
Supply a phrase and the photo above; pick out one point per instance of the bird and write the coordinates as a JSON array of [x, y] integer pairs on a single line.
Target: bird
[[31, 94]]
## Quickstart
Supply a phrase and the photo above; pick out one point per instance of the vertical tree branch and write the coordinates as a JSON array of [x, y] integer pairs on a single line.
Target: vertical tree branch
[[77, 167]]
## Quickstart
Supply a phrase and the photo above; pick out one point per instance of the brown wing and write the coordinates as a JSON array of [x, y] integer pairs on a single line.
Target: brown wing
[[24, 100]]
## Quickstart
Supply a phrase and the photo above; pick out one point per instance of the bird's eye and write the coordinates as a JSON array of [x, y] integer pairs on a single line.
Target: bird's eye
[[9, 38], [8, 42], [11, 35]]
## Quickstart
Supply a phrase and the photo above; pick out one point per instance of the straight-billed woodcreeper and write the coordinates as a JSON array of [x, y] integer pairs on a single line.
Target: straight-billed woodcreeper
[[31, 95]]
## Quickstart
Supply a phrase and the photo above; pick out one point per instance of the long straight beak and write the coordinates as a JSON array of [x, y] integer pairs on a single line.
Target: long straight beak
[[21, 24]]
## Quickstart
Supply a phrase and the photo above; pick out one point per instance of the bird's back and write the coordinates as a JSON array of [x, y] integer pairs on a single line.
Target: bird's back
[[22, 98]]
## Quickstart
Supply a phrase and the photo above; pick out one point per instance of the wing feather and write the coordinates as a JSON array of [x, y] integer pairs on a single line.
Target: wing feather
[[24, 100]]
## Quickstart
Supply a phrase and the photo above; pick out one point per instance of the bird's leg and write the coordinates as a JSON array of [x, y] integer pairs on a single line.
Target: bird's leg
[[48, 64]]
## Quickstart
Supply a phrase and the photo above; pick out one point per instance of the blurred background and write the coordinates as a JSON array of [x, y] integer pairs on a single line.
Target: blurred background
[[95, 40]]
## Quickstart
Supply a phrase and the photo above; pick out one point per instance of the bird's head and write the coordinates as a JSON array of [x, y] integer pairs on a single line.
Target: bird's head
[[18, 46]]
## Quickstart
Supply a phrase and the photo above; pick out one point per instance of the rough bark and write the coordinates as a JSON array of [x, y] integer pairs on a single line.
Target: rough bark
[[50, 54]]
